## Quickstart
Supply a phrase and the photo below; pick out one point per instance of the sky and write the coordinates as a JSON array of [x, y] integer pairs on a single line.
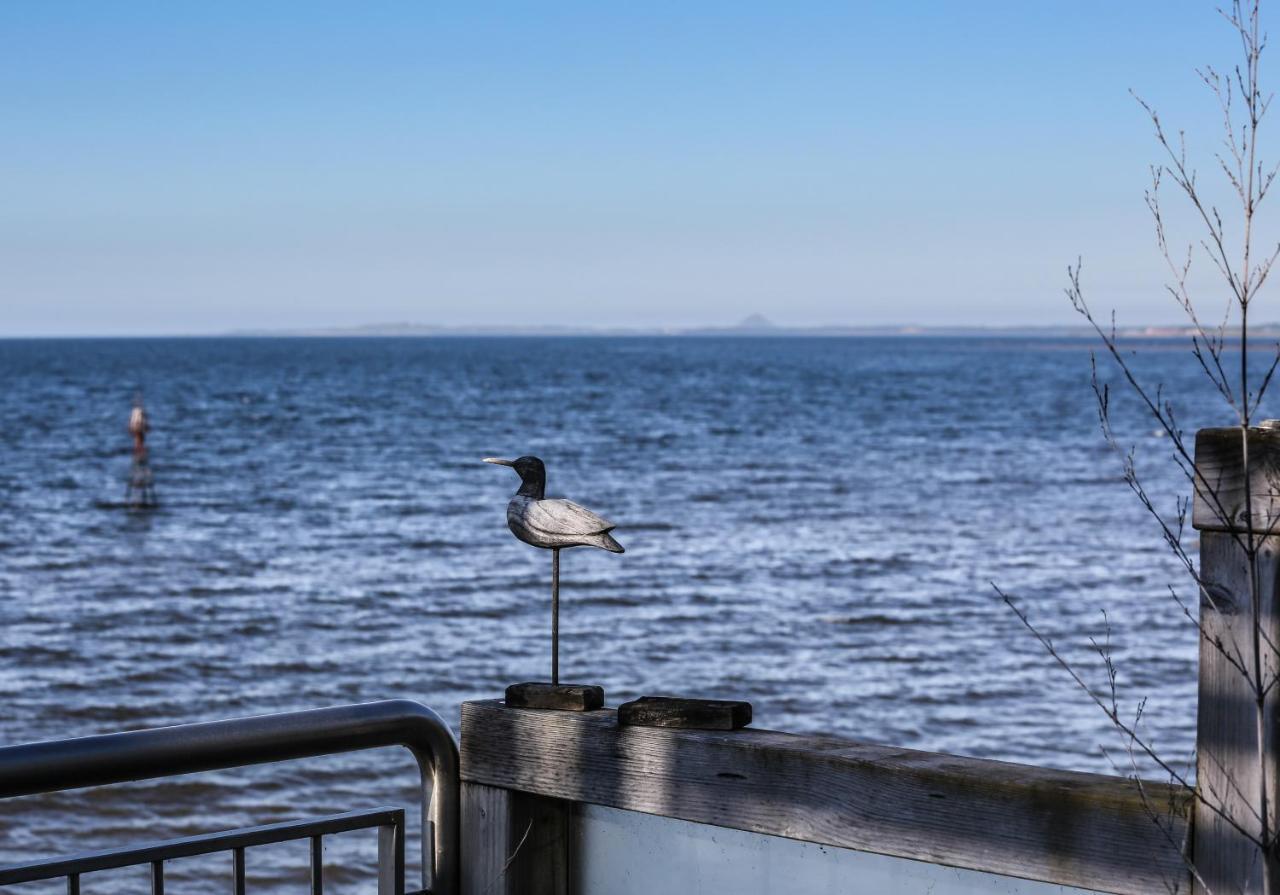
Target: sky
[[198, 168]]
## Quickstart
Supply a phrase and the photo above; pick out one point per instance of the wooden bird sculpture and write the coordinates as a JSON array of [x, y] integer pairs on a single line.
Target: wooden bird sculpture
[[554, 525]]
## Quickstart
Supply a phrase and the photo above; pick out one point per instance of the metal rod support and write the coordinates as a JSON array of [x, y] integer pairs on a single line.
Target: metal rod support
[[235, 841], [390, 859], [317, 865], [237, 870], [555, 616]]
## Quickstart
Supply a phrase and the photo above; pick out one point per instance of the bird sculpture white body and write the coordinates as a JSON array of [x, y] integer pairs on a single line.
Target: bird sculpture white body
[[559, 523], [553, 525]]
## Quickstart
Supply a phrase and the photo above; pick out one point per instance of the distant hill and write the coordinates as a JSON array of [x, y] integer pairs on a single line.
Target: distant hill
[[757, 323]]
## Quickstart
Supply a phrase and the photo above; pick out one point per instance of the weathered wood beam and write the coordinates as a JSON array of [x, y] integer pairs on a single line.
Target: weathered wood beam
[[1228, 770], [514, 843], [1219, 503], [1076, 829]]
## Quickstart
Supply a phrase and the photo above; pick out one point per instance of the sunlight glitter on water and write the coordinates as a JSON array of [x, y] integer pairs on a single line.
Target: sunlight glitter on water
[[812, 525]]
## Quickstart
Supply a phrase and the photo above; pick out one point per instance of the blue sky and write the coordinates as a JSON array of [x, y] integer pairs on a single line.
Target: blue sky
[[185, 168]]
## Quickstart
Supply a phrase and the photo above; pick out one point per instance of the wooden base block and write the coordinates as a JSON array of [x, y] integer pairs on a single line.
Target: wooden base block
[[686, 714], [563, 697]]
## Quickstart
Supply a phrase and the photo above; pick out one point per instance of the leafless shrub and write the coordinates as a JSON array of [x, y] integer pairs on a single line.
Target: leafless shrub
[[1227, 241]]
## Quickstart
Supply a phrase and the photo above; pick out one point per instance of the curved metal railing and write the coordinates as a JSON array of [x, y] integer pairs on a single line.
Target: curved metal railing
[[215, 745]]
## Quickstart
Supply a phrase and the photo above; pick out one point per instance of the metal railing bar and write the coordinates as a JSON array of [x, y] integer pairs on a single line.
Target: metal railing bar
[[202, 844], [217, 745], [237, 869], [157, 878], [390, 860], [317, 865], [73, 884]]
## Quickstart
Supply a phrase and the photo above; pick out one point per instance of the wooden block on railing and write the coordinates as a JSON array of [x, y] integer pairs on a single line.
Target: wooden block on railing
[[686, 714], [560, 697]]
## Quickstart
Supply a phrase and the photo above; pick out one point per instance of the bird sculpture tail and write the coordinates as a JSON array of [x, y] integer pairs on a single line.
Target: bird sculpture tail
[[608, 543]]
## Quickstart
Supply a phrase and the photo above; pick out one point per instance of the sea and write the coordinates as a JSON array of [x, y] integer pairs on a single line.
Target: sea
[[816, 525]]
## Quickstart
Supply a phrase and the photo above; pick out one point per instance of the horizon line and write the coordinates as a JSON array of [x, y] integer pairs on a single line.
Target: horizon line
[[754, 326]]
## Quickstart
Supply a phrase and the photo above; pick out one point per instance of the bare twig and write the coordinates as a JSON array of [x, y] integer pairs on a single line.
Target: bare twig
[[1242, 105]]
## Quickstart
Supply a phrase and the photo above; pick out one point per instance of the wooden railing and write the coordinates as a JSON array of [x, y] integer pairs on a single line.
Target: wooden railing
[[527, 774]]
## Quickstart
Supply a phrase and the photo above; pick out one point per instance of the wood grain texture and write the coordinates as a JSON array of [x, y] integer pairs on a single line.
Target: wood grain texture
[[558, 523], [1227, 766], [1219, 503], [562, 697], [513, 843], [1069, 828], [686, 714], [557, 516]]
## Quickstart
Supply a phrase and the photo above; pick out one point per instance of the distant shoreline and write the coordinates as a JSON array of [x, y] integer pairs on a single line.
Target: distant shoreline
[[1143, 332], [384, 331]]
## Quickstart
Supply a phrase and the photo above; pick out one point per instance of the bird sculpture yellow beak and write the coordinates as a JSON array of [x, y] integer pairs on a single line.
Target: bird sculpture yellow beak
[[498, 461]]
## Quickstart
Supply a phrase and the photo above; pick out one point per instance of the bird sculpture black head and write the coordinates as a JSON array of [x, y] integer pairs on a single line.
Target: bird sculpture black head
[[554, 525], [532, 472]]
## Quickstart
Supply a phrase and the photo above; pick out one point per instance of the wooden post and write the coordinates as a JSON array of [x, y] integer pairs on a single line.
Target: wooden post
[[514, 843], [1228, 769]]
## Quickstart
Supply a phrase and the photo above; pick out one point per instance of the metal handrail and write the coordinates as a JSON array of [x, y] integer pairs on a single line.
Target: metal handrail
[[216, 745], [388, 821]]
